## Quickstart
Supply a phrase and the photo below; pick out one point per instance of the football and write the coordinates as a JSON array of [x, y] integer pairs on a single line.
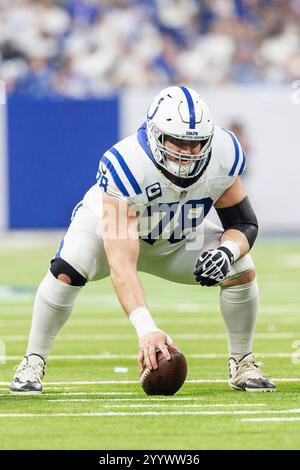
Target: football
[[168, 378]]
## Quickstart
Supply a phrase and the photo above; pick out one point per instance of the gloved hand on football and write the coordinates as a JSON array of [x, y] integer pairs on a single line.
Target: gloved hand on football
[[213, 266]]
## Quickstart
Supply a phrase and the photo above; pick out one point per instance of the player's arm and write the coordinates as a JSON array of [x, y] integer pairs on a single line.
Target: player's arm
[[121, 244], [240, 231], [238, 219]]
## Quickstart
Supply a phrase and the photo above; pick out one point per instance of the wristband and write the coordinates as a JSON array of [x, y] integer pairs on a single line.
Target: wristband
[[233, 248], [142, 321]]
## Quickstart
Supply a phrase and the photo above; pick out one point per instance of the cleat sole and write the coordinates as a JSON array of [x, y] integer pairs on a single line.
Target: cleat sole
[[256, 390], [251, 390]]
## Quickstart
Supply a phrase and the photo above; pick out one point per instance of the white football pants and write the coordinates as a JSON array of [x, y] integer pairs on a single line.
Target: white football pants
[[82, 247]]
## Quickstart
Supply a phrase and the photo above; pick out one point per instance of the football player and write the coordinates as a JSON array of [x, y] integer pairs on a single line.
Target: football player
[[147, 212]]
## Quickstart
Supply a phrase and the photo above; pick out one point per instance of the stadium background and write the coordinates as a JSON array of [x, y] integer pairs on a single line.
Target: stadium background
[[78, 76]]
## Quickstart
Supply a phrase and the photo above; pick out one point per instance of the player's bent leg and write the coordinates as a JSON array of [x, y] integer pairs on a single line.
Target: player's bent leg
[[52, 308], [65, 273], [76, 262], [239, 306], [244, 278]]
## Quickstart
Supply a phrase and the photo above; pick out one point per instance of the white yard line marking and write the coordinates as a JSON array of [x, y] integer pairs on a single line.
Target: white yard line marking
[[270, 419], [17, 307], [92, 393], [135, 382], [157, 405], [66, 388], [184, 405], [88, 382], [179, 336], [78, 323], [144, 399], [148, 413], [122, 321], [108, 302], [140, 399], [61, 394], [48, 391], [224, 356], [276, 379], [108, 356]]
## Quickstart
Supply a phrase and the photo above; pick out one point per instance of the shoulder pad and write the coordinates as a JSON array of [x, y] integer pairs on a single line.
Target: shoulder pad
[[118, 173], [232, 155]]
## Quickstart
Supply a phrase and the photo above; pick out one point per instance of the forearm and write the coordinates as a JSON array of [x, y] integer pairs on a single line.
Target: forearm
[[128, 288], [131, 295], [240, 226]]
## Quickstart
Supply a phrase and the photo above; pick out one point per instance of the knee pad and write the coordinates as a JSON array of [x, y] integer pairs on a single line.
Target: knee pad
[[60, 266]]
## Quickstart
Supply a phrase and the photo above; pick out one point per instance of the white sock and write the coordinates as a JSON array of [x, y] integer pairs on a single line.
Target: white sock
[[52, 307], [239, 307]]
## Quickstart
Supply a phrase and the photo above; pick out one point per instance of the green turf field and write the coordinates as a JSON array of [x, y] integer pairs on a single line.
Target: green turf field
[[80, 409]]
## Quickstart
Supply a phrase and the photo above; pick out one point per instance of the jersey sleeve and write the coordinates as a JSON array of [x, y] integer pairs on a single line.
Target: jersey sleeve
[[116, 178]]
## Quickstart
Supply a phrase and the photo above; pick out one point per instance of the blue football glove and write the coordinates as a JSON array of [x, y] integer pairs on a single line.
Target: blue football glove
[[213, 266]]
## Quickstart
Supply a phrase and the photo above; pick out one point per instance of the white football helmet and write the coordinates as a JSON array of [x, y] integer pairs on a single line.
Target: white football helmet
[[179, 112]]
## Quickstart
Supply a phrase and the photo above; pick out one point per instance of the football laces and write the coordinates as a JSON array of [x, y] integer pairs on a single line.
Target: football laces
[[144, 375]]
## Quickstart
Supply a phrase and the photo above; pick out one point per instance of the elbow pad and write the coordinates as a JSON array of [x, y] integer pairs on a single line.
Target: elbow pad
[[240, 217]]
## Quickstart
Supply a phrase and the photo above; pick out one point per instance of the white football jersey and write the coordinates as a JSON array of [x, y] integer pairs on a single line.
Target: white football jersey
[[167, 213]]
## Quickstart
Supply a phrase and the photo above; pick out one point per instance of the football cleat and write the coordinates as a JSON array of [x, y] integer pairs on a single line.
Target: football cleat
[[245, 375], [28, 377]]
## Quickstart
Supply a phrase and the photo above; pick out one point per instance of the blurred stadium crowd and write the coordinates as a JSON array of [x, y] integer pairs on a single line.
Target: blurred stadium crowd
[[85, 48]]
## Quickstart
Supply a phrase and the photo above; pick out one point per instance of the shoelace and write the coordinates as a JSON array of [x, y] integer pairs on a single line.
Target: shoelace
[[248, 370], [29, 373]]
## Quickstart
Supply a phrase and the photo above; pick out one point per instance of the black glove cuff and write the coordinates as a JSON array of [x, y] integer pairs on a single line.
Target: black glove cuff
[[228, 253]]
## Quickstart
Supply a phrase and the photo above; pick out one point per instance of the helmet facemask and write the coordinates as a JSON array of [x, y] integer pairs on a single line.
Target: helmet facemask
[[180, 164]]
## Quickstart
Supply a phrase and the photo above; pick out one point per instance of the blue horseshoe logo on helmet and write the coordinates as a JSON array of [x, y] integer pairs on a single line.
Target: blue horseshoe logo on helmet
[[156, 109]]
